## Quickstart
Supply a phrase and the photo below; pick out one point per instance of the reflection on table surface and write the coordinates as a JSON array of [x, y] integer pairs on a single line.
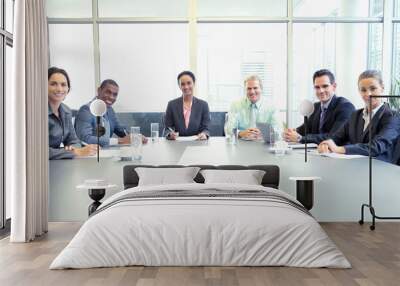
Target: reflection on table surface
[[338, 196]]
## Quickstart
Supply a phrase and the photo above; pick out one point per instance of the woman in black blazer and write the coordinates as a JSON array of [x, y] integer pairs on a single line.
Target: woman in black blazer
[[187, 115], [353, 137]]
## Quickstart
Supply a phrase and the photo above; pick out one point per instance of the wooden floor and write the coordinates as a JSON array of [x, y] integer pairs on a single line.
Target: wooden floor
[[374, 255]]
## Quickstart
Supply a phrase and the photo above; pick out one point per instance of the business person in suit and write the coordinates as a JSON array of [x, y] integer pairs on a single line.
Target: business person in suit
[[63, 143], [330, 113], [187, 115], [85, 122], [353, 137]]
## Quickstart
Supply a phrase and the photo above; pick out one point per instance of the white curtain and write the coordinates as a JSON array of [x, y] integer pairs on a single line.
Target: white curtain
[[27, 126]]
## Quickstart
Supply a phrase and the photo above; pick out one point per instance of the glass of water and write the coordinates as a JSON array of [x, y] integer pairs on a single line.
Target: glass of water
[[280, 145], [136, 143], [231, 128], [154, 131]]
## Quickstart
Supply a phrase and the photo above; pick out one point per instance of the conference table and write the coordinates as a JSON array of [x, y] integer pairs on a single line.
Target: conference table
[[338, 196]]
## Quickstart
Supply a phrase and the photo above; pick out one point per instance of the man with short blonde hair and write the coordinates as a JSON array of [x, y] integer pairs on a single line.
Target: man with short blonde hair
[[245, 113]]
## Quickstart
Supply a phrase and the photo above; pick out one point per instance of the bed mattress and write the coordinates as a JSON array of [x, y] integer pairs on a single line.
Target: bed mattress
[[201, 225]]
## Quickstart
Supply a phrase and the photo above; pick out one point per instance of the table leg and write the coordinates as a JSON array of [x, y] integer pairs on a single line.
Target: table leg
[[305, 193], [96, 195]]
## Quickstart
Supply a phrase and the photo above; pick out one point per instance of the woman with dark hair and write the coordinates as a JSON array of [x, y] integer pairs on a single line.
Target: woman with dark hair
[[353, 137], [63, 143], [187, 115]]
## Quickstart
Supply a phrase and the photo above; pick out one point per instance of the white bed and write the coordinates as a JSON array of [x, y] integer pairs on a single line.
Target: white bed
[[185, 230]]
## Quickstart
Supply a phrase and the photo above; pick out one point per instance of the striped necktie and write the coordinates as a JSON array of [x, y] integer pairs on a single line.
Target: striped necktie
[[322, 119]]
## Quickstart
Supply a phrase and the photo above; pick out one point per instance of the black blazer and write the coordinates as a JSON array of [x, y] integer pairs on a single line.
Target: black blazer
[[385, 130], [338, 113], [199, 117], [396, 152]]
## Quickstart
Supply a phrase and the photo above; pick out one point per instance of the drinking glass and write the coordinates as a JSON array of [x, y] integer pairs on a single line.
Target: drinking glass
[[279, 144], [154, 131], [136, 143], [231, 132]]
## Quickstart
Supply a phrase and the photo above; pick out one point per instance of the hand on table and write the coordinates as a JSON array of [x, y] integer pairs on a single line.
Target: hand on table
[[202, 136], [124, 140], [173, 135], [250, 133], [290, 135], [85, 151], [328, 146]]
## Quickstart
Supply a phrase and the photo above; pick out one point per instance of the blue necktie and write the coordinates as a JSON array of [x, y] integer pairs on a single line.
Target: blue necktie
[[253, 115], [322, 119]]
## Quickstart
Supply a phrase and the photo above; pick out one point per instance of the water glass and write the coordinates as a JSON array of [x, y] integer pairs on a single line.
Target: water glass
[[231, 132], [273, 136], [136, 143], [280, 145], [154, 131]]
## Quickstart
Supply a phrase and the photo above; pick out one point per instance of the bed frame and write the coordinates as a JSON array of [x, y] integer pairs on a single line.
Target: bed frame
[[270, 179]]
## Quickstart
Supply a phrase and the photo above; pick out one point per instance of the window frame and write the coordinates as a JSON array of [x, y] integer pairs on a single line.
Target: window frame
[[6, 39], [192, 19]]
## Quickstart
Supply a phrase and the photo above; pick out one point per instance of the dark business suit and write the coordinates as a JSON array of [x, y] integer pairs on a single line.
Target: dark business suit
[[198, 122], [85, 126], [396, 152], [385, 130], [62, 131], [337, 114]]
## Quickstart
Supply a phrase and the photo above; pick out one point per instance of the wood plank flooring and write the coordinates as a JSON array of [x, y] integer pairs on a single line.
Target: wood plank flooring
[[374, 255]]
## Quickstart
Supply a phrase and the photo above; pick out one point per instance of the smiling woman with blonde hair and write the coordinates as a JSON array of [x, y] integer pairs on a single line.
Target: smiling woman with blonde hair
[[353, 137]]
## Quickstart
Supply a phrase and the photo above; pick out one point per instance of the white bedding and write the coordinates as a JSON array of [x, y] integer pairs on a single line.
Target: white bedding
[[200, 231]]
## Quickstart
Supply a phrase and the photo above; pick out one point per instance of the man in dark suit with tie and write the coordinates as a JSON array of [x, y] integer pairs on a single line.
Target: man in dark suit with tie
[[330, 113]]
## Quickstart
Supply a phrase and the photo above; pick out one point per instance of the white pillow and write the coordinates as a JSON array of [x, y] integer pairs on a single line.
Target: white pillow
[[166, 176], [248, 177]]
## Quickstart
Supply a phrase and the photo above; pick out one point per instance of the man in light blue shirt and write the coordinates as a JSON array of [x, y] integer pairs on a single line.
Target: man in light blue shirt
[[85, 122], [245, 113]]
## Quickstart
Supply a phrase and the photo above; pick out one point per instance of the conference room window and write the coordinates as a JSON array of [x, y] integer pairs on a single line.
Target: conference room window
[[6, 43], [75, 55], [396, 59], [2, 125], [228, 53], [9, 12], [333, 46], [146, 64], [337, 8], [8, 85], [396, 50], [396, 10], [143, 8], [69, 8], [240, 8]]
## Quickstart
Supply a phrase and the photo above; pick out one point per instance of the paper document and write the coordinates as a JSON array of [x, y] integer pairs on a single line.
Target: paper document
[[110, 153], [341, 156], [302, 146], [187, 138]]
